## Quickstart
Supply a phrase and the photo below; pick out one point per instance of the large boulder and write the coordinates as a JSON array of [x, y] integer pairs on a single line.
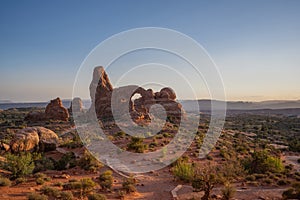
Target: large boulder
[[48, 139], [26, 139], [34, 139], [56, 111]]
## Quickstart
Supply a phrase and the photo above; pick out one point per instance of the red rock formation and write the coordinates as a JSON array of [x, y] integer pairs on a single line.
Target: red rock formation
[[76, 105], [56, 111], [101, 93]]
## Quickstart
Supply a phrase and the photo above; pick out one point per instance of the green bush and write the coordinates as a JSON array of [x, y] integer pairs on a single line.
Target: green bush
[[20, 180], [19, 165], [96, 197], [183, 171], [262, 162], [39, 181], [44, 164], [67, 159], [137, 145], [5, 182], [250, 178], [51, 192], [41, 178], [89, 162], [128, 185], [87, 185], [66, 195], [84, 186], [292, 193], [228, 192], [58, 184], [36, 196], [106, 180]]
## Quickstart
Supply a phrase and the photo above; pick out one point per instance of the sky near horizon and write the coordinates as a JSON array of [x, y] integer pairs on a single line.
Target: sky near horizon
[[255, 44]]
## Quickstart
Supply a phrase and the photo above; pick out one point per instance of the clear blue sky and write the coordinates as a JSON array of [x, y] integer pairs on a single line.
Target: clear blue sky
[[255, 44]]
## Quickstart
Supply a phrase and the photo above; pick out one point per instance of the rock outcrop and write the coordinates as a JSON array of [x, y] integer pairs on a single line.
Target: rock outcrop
[[4, 146], [34, 139], [56, 111], [25, 140], [101, 93], [76, 105], [48, 139]]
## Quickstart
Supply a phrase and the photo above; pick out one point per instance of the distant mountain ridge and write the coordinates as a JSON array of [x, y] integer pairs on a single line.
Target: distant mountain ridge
[[188, 105], [241, 105]]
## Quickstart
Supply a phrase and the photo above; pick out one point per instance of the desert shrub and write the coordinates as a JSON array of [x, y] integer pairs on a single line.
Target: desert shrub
[[267, 180], [4, 182], [76, 185], [106, 180], [50, 191], [205, 178], [58, 184], [231, 170], [84, 186], [128, 185], [96, 197], [208, 157], [262, 162], [282, 182], [89, 162], [120, 134], [183, 171], [20, 180], [292, 193], [39, 175], [66, 195], [137, 145], [74, 143], [67, 159], [39, 181], [259, 176], [43, 164], [41, 178], [250, 178], [167, 135], [19, 165], [36, 196], [87, 185], [228, 192]]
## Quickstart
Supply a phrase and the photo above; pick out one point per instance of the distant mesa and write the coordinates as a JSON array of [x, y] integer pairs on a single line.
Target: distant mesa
[[54, 110], [101, 91], [6, 101]]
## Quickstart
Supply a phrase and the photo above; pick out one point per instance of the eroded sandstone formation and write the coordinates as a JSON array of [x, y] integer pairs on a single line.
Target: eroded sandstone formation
[[54, 110], [34, 139], [101, 93], [76, 105]]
